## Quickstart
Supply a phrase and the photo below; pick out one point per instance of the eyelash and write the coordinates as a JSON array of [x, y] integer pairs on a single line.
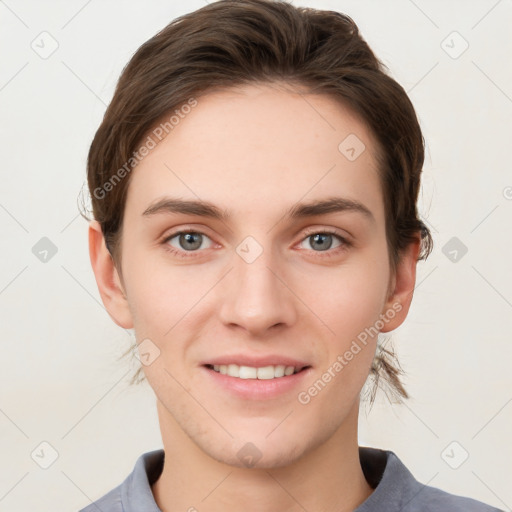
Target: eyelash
[[344, 243]]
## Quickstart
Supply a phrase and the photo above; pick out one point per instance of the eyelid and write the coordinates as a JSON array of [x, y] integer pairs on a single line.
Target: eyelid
[[186, 228], [187, 231], [304, 233], [326, 230]]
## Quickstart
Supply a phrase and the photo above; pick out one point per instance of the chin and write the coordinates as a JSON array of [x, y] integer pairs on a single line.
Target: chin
[[257, 451]]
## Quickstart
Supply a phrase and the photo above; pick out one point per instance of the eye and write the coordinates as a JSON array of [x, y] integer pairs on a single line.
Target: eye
[[188, 241], [321, 241]]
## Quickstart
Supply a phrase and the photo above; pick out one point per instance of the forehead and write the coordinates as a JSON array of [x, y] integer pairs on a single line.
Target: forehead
[[261, 145]]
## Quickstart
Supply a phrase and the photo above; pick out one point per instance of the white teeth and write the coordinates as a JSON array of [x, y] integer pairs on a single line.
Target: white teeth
[[245, 372], [266, 372], [249, 372], [234, 370], [279, 371]]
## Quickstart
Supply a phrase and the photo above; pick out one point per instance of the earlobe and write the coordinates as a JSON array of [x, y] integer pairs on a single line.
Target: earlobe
[[403, 283], [107, 278]]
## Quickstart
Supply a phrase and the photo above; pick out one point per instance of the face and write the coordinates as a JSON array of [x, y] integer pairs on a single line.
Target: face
[[254, 244]]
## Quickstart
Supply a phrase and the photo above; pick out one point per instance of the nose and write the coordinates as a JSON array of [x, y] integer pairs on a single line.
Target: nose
[[255, 296]]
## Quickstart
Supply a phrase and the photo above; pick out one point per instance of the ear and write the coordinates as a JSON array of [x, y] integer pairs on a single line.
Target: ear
[[401, 289], [107, 278]]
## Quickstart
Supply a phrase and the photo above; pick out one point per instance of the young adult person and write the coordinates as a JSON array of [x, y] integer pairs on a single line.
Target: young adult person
[[254, 186]]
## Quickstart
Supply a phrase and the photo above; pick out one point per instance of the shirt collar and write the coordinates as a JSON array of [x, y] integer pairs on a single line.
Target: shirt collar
[[383, 470]]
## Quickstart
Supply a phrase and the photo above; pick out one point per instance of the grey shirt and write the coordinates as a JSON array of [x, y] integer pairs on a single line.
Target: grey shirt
[[396, 490]]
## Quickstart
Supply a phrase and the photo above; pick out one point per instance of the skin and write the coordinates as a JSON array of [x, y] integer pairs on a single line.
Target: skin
[[290, 300]]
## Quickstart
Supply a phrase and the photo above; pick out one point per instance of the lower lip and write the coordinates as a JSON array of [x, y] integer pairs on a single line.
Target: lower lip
[[258, 389]]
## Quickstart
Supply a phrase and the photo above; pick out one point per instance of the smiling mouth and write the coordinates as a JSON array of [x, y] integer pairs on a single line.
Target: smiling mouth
[[251, 372]]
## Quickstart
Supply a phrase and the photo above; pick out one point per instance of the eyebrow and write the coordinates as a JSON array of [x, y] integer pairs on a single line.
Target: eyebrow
[[301, 210]]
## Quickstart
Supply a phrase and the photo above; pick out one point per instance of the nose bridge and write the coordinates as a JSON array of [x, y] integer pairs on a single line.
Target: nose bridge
[[255, 298]]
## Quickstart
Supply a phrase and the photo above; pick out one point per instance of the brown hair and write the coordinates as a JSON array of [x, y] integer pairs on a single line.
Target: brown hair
[[236, 42]]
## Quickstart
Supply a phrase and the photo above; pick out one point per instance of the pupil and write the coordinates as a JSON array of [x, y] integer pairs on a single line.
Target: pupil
[[194, 239], [321, 239]]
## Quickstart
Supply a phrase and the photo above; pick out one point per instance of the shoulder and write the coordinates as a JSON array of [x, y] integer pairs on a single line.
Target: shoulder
[[134, 494], [432, 499], [111, 502], [395, 488]]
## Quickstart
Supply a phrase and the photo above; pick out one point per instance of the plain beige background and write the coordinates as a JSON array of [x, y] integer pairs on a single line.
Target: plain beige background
[[61, 383]]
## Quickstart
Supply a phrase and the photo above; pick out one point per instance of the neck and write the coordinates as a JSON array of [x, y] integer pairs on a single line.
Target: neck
[[329, 477]]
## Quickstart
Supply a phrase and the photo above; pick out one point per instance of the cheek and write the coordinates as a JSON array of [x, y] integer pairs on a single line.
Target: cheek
[[150, 309], [350, 298], [159, 296], [350, 304]]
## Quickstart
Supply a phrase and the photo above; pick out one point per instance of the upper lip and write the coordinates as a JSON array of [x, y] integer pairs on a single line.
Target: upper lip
[[256, 361]]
